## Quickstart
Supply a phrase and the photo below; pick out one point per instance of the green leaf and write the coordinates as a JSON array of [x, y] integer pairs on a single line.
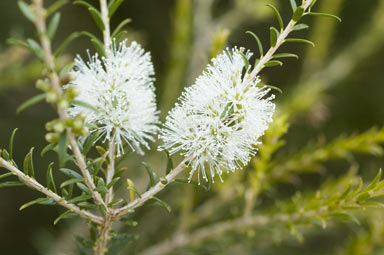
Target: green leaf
[[47, 148], [32, 101], [71, 181], [298, 14], [312, 4], [285, 55], [85, 105], [131, 187], [53, 25], [374, 181], [28, 164], [161, 203], [324, 15], [274, 35], [102, 209], [120, 35], [151, 174], [83, 188], [119, 27], [96, 15], [6, 175], [79, 198], [84, 3], [273, 63], [55, 6], [66, 215], [26, 10], [293, 5], [63, 144], [50, 181], [11, 184], [18, 42], [345, 216], [115, 202], [33, 202], [102, 189], [35, 48], [96, 42], [70, 173], [113, 6], [66, 69], [113, 182], [298, 40], [246, 61], [258, 42], [129, 222], [11, 143], [278, 16], [66, 42], [90, 142], [300, 27], [169, 164]]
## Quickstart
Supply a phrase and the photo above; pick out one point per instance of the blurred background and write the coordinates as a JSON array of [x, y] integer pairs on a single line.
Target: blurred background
[[336, 88]]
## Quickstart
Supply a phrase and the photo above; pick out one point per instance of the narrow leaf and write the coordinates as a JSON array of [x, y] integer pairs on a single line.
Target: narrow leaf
[[71, 181], [84, 3], [285, 55], [28, 164], [324, 15], [273, 63], [6, 175], [97, 18], [298, 40], [300, 27], [119, 27], [293, 5], [70, 173], [169, 164], [162, 203], [274, 34], [258, 42], [79, 198], [55, 6], [151, 174], [270, 87], [47, 148], [50, 181], [33, 202], [32, 101], [83, 188], [53, 25], [298, 14], [11, 143], [278, 16], [84, 104], [113, 6], [102, 209], [11, 184], [63, 144], [66, 42], [26, 10], [66, 215]]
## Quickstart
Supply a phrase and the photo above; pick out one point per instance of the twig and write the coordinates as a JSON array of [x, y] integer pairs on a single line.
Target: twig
[[111, 169], [58, 199], [55, 81], [154, 190]]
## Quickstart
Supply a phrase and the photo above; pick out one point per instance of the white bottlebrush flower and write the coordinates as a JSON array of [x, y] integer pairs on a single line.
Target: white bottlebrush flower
[[120, 88], [220, 118]]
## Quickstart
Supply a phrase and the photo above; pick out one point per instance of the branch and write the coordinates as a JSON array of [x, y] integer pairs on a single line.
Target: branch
[[111, 169], [58, 199], [153, 191], [105, 19], [55, 81]]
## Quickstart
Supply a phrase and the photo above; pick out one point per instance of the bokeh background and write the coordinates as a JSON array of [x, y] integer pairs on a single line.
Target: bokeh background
[[336, 88]]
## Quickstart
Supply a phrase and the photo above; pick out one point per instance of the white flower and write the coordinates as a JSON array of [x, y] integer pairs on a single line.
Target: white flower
[[120, 88], [220, 118]]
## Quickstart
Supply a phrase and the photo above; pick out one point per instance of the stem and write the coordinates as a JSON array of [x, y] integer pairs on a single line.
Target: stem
[[154, 190], [55, 81], [280, 40], [111, 169], [102, 242], [105, 19], [58, 199]]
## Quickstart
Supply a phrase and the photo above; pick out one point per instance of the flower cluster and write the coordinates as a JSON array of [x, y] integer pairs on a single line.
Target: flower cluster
[[120, 90], [219, 119]]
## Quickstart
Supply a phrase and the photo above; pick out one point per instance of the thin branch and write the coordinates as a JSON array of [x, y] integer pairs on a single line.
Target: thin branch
[[58, 199], [55, 81], [111, 169], [105, 19], [280, 40], [153, 191]]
